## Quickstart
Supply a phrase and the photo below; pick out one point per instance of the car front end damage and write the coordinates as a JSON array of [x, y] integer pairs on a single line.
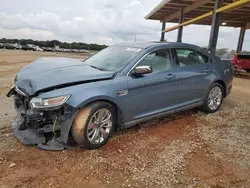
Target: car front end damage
[[45, 122], [46, 127]]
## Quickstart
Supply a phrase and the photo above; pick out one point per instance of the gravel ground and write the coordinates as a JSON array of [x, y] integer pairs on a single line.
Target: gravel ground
[[188, 149], [229, 132]]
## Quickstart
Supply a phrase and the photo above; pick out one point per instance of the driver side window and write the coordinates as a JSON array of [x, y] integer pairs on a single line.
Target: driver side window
[[159, 60]]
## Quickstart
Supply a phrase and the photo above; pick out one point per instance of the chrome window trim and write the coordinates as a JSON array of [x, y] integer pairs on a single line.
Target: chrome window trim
[[145, 67]]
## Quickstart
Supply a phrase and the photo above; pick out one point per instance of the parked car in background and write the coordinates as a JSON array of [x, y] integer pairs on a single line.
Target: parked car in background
[[38, 49], [47, 49], [31, 47], [58, 99], [59, 50], [26, 47], [84, 51], [1, 45], [74, 50], [11, 46], [66, 50], [242, 61]]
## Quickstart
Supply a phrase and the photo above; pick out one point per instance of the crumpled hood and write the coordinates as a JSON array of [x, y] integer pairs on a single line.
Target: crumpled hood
[[52, 73]]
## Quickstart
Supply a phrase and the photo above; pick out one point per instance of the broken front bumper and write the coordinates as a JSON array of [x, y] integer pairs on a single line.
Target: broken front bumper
[[45, 129]]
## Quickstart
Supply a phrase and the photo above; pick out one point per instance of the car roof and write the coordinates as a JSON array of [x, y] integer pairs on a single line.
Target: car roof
[[145, 45]]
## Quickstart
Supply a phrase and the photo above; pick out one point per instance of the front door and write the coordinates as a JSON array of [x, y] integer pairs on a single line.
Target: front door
[[152, 93]]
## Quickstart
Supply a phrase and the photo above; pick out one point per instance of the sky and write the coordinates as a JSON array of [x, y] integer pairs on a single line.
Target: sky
[[98, 21]]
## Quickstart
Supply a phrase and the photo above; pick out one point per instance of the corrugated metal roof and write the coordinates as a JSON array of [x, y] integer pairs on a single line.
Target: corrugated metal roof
[[169, 11]]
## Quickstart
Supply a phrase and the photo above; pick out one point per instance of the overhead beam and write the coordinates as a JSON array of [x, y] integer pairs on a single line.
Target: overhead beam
[[224, 8], [229, 23], [225, 14], [248, 25], [158, 7], [239, 8], [186, 9]]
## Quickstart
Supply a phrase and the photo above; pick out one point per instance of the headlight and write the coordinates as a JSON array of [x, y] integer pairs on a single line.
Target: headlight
[[37, 102]]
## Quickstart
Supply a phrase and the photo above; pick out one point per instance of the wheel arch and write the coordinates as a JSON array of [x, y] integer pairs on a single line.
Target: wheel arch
[[204, 106], [223, 85], [117, 109], [118, 114]]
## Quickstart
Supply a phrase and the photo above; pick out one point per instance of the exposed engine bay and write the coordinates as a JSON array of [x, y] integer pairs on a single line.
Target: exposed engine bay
[[44, 128]]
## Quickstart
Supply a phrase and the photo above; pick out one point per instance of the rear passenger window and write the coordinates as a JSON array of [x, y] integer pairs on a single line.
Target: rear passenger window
[[202, 58], [190, 57]]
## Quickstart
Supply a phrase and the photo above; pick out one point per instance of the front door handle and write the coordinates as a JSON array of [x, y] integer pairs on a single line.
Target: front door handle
[[207, 70], [170, 76]]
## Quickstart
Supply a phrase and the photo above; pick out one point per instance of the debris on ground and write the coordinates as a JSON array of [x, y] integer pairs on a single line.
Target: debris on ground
[[12, 165]]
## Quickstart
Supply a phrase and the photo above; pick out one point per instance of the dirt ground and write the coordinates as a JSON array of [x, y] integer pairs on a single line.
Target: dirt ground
[[188, 149]]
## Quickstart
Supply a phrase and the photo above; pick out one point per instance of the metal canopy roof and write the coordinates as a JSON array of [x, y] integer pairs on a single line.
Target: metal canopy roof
[[169, 11]]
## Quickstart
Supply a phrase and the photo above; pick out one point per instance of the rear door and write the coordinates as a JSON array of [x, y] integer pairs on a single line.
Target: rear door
[[194, 73], [152, 93]]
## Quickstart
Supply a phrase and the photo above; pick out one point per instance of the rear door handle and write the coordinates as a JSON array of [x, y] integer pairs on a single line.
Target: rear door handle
[[170, 76]]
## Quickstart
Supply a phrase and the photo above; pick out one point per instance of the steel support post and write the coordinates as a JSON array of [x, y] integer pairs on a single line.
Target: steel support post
[[241, 39], [180, 30], [162, 29], [215, 27]]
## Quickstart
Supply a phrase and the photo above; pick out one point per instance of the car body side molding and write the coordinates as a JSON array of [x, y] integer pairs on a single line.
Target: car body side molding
[[140, 120]]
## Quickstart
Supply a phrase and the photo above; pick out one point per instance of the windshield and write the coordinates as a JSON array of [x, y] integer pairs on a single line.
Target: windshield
[[244, 56], [113, 58]]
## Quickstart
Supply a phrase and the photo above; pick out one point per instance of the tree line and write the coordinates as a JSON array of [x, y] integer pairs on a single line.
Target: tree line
[[222, 51], [52, 43]]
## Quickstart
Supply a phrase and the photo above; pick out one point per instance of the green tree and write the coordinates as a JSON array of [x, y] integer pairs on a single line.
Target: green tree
[[222, 51]]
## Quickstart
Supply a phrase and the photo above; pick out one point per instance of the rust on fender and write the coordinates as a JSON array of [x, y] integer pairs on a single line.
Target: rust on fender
[[79, 124]]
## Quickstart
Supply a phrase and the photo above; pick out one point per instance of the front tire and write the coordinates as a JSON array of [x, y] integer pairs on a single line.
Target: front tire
[[213, 98], [93, 125]]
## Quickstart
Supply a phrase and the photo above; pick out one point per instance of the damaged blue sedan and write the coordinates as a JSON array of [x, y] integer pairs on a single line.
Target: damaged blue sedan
[[60, 99]]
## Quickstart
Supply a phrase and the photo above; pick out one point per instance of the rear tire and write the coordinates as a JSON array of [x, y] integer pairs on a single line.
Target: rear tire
[[93, 125], [213, 98]]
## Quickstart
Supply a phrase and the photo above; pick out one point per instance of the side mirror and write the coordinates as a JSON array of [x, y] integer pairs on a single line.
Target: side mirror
[[140, 70]]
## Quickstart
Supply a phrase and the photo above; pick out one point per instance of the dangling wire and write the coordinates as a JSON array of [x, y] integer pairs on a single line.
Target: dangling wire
[[53, 128]]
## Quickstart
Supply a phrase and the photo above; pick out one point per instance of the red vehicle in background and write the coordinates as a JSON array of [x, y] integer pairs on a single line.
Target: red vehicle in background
[[240, 61]]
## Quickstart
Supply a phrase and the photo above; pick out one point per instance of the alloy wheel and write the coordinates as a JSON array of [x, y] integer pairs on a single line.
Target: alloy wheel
[[215, 98], [99, 126]]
